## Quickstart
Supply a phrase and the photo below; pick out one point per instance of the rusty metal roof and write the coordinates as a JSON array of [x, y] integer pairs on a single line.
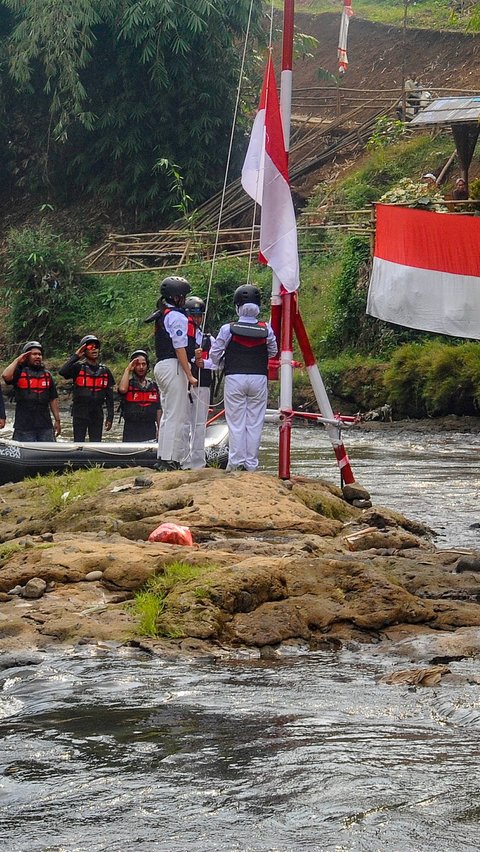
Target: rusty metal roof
[[462, 110]]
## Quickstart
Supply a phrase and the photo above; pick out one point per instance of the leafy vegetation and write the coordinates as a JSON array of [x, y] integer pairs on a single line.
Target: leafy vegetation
[[434, 378], [424, 14], [150, 604], [415, 194], [96, 92], [43, 292]]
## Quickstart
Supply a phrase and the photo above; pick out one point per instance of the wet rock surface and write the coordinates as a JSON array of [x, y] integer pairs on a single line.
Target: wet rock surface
[[272, 563]]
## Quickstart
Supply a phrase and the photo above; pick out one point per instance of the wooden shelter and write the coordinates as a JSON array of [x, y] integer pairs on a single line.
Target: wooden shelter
[[462, 114]]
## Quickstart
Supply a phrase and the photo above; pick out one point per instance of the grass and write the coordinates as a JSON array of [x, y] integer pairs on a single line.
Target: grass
[[424, 14], [61, 489], [150, 605], [7, 550]]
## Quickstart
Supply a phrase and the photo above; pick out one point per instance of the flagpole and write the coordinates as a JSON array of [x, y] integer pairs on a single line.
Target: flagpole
[[283, 304]]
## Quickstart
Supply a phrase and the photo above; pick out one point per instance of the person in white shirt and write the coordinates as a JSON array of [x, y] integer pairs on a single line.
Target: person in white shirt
[[198, 398], [246, 345], [172, 371]]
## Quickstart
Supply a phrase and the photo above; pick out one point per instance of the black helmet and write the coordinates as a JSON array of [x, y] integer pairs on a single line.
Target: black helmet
[[32, 344], [194, 306], [90, 338], [173, 286], [247, 293], [138, 353]]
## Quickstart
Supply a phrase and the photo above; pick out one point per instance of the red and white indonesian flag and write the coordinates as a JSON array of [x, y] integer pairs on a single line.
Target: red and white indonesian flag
[[426, 271], [347, 13], [265, 179]]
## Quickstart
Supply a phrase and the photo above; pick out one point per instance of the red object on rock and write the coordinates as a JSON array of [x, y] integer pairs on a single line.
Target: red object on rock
[[172, 534]]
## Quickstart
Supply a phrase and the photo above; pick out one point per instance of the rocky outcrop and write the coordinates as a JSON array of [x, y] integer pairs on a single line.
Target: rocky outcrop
[[272, 562]]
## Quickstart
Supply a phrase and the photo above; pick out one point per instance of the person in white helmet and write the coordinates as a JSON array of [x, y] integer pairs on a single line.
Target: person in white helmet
[[172, 371], [246, 345]]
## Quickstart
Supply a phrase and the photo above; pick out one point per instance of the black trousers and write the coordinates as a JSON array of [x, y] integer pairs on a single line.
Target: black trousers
[[138, 430], [93, 424]]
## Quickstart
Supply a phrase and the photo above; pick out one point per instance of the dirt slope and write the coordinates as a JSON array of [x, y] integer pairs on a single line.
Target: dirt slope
[[376, 51]]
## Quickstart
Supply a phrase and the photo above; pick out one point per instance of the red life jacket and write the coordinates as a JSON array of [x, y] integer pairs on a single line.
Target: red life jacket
[[140, 403], [247, 353], [33, 386], [90, 385]]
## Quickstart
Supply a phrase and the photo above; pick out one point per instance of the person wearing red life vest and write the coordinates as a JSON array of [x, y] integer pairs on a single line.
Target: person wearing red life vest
[[172, 371], [198, 398], [246, 346], [140, 400], [92, 389], [35, 396]]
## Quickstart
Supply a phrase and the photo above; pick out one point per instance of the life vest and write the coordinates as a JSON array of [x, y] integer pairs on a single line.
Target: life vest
[[33, 386], [247, 353], [90, 385], [191, 339], [164, 347], [206, 376], [140, 403]]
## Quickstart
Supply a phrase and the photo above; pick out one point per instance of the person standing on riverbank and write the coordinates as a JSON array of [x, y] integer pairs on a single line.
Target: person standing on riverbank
[[92, 389], [140, 404], [173, 371], [246, 344], [198, 398], [35, 396]]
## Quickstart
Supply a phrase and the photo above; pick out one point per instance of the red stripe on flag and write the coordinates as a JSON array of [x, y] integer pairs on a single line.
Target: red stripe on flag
[[444, 242], [274, 141]]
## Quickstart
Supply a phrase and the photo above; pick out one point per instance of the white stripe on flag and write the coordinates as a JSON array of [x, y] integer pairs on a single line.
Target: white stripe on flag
[[254, 163], [278, 232], [442, 302]]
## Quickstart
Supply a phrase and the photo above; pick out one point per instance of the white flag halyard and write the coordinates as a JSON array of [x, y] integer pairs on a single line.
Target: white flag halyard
[[347, 13], [426, 271], [265, 179]]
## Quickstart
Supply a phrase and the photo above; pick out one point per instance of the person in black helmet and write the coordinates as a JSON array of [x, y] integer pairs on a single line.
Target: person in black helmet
[[92, 389], [35, 396], [140, 400], [198, 398], [172, 371], [246, 344]]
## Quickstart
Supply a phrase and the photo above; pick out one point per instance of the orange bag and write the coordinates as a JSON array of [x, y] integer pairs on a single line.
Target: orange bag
[[172, 534]]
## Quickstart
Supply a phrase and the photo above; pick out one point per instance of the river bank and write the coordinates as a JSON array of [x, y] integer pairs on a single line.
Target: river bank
[[273, 564]]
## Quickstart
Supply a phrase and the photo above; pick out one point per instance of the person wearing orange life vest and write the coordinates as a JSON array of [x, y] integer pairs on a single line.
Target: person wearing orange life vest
[[173, 372], [199, 397], [92, 389], [35, 396], [247, 345], [140, 400]]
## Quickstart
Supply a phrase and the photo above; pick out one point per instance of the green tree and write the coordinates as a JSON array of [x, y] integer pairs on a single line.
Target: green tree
[[112, 86], [43, 285]]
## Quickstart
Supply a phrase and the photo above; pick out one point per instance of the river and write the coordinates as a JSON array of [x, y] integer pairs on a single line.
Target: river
[[106, 748]]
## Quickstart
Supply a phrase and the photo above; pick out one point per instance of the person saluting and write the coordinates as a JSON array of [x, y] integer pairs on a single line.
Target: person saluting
[[92, 388], [172, 371], [140, 400], [35, 396], [246, 345]]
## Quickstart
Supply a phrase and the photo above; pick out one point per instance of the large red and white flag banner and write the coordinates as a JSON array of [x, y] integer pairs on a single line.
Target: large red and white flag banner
[[265, 179], [426, 271], [347, 13]]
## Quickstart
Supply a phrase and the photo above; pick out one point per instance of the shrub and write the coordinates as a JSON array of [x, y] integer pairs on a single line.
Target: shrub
[[43, 284], [434, 379]]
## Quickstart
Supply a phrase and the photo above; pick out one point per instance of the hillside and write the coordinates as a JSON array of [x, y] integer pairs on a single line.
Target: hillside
[[376, 52]]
